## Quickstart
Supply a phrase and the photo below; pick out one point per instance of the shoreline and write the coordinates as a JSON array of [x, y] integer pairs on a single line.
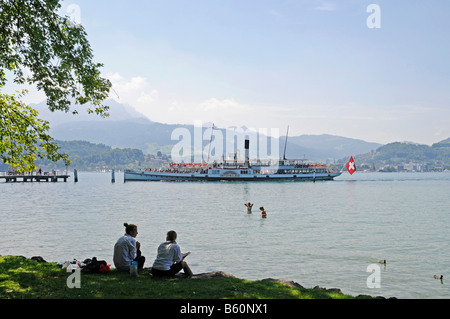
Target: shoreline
[[214, 274]]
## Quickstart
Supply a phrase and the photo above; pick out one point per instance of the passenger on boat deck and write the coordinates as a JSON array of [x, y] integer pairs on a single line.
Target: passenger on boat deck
[[127, 249], [170, 260], [263, 212], [249, 207]]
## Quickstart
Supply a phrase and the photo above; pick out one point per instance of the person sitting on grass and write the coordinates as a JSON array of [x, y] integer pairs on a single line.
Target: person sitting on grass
[[170, 260], [127, 249]]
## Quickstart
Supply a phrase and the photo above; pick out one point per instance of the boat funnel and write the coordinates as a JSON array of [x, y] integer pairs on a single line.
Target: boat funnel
[[247, 148]]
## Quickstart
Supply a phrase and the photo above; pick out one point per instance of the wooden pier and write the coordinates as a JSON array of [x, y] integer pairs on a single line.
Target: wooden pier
[[33, 178]]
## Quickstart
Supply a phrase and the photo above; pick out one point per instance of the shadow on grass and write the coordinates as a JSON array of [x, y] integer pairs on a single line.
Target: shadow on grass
[[27, 279]]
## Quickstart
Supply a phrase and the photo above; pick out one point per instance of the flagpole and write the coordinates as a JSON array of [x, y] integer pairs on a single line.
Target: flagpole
[[210, 141], [285, 143]]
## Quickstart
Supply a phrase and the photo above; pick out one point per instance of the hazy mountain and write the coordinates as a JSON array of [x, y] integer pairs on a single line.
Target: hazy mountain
[[126, 128], [117, 112], [401, 154], [325, 146], [150, 137], [445, 143], [137, 133]]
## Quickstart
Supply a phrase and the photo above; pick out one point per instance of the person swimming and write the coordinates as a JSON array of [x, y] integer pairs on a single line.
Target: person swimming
[[249, 207], [263, 212]]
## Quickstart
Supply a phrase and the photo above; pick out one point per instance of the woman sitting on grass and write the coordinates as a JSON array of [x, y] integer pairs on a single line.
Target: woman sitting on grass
[[127, 250], [170, 260]]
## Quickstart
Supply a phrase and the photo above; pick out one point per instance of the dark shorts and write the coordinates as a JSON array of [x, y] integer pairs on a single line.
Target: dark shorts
[[168, 273]]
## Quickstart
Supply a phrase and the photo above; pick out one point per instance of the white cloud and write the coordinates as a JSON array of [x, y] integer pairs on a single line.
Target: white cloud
[[148, 98], [224, 112], [137, 92], [173, 107], [214, 104]]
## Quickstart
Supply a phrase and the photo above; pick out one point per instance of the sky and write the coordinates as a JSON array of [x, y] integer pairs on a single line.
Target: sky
[[317, 66]]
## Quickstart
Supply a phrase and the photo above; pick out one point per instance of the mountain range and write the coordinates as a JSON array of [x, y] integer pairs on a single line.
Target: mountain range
[[126, 128]]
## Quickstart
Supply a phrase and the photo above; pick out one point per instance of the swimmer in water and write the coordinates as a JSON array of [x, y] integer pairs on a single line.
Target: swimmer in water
[[249, 207], [263, 212]]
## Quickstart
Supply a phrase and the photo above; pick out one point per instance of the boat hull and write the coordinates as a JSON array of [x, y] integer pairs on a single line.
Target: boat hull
[[131, 175]]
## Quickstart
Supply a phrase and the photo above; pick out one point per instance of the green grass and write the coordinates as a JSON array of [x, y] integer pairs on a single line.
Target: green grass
[[22, 278]]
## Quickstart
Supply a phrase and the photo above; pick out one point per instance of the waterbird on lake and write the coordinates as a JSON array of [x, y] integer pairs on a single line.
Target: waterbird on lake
[[438, 277], [382, 261]]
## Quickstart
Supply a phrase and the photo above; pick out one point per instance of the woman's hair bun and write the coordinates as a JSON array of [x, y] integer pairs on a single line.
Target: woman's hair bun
[[125, 224]]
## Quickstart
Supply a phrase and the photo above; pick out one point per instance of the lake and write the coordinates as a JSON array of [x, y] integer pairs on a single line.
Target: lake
[[323, 233]]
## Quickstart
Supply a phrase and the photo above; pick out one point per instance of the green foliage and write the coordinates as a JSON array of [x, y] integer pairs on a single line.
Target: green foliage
[[57, 54], [24, 137], [405, 151], [89, 156], [25, 278], [408, 152], [55, 50], [435, 156]]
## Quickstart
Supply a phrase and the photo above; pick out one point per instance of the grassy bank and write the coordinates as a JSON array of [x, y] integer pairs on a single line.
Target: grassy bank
[[25, 278]]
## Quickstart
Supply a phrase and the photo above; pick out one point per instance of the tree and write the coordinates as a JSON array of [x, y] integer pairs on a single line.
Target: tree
[[42, 48], [24, 137]]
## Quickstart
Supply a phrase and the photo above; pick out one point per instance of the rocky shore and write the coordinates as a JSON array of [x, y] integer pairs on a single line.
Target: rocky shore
[[290, 283]]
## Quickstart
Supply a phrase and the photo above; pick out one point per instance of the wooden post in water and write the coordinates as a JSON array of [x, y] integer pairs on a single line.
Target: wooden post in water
[[53, 176], [75, 175], [113, 179]]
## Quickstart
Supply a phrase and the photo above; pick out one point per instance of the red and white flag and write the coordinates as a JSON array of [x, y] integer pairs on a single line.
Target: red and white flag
[[351, 167]]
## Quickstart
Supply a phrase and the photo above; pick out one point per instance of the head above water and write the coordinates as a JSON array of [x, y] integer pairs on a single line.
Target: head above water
[[130, 229], [171, 236]]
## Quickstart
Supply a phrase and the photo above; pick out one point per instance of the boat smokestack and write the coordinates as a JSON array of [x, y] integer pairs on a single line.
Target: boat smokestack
[[247, 148]]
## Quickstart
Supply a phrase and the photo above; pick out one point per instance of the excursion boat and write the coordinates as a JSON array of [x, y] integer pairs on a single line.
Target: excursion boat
[[295, 170], [273, 170]]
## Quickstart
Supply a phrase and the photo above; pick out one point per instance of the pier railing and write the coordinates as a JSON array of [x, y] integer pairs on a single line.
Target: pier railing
[[53, 176]]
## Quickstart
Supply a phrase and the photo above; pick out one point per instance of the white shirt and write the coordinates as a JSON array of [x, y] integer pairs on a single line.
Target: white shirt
[[124, 252], [168, 254]]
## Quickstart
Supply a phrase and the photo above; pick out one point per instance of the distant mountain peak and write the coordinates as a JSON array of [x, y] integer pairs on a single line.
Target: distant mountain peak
[[117, 112]]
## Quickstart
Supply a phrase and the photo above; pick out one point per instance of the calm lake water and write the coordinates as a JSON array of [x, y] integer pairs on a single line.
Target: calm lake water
[[323, 233]]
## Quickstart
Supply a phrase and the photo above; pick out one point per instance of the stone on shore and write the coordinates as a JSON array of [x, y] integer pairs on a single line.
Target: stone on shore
[[286, 282], [213, 274]]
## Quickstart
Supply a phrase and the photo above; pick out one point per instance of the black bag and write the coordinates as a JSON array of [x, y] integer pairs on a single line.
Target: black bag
[[95, 266]]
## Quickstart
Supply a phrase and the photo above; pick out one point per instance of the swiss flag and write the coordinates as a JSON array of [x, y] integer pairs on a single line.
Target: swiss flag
[[351, 167]]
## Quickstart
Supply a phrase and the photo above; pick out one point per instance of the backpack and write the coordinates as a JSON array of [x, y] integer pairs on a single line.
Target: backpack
[[95, 266]]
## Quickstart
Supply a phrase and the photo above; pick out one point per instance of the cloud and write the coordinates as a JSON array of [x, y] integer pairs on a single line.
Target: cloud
[[148, 98], [214, 104], [172, 107], [137, 91]]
